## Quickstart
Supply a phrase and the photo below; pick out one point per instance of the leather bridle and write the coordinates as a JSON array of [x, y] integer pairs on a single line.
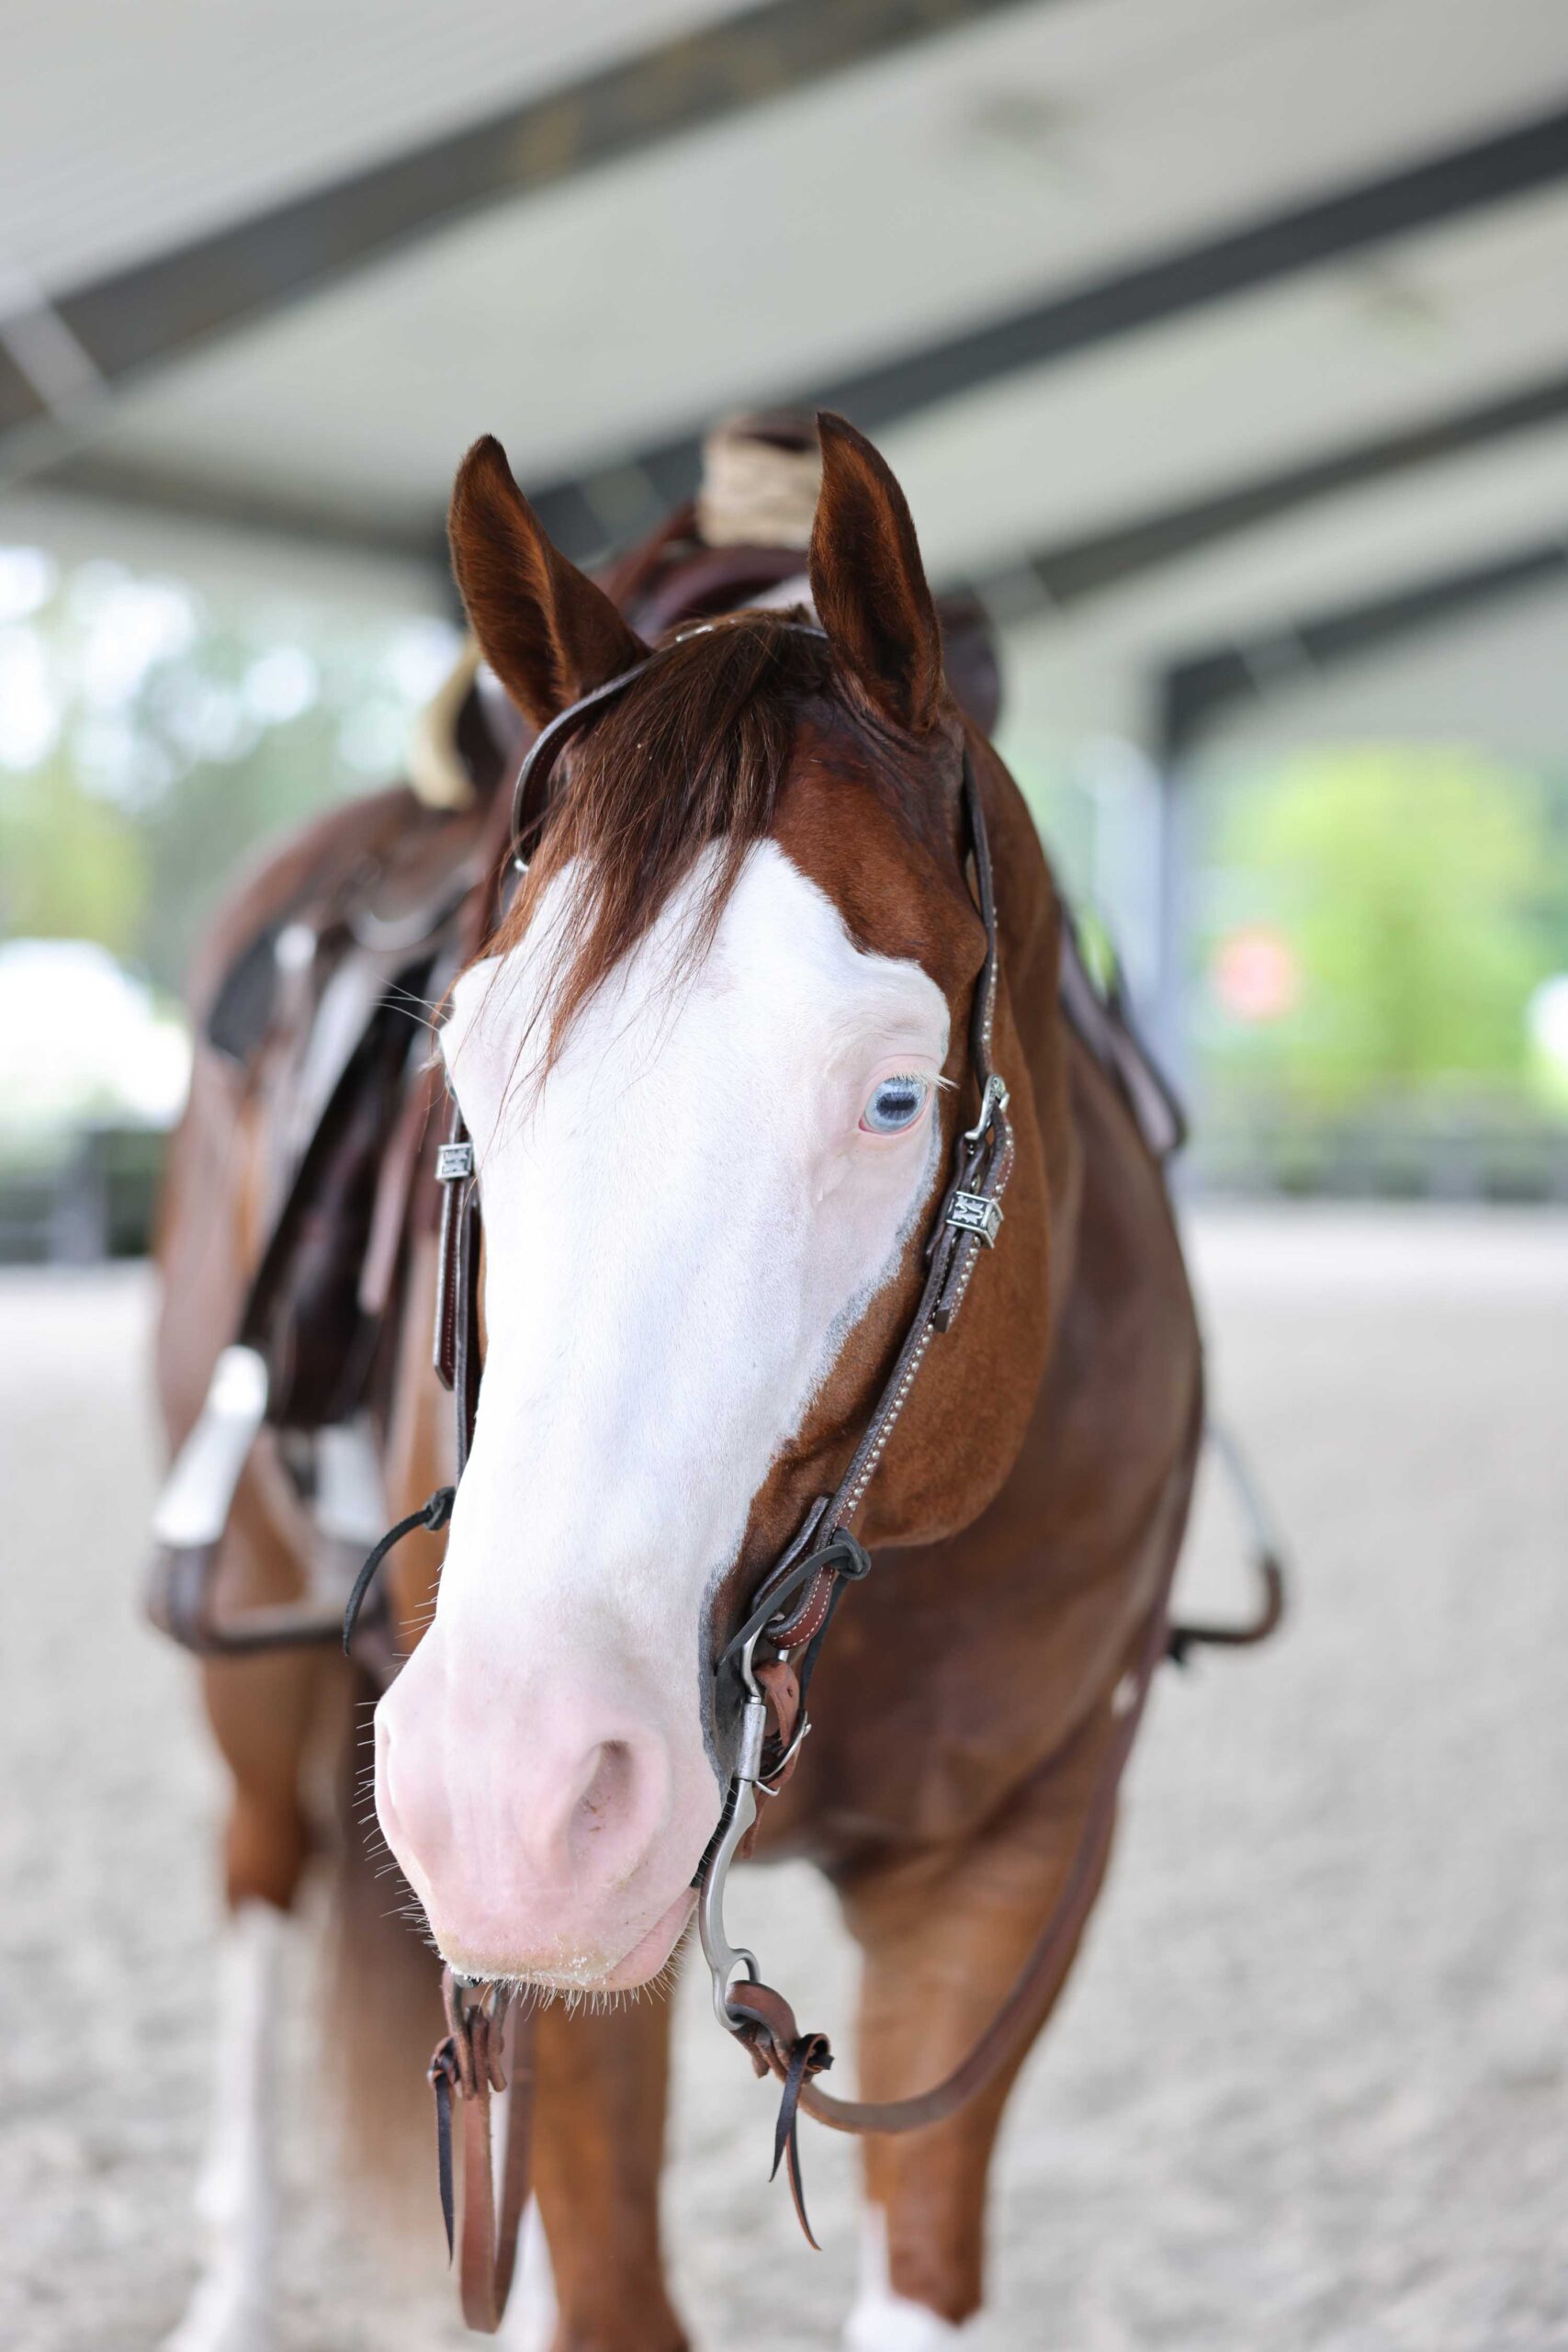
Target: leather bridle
[[772, 1655]]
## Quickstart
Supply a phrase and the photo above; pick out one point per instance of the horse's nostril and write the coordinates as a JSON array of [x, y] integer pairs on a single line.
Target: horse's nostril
[[618, 1806], [536, 1834], [609, 1784]]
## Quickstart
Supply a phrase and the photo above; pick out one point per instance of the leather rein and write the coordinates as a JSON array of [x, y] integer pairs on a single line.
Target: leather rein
[[772, 1656]]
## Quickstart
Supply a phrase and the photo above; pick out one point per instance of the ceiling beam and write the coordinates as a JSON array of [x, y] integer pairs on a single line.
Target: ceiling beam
[[1529, 156], [159, 311], [1072, 570], [161, 493], [1059, 576], [1197, 694]]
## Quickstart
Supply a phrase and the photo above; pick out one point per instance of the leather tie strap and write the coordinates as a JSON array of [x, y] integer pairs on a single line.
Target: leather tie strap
[[468, 2065], [766, 2023], [809, 2056]]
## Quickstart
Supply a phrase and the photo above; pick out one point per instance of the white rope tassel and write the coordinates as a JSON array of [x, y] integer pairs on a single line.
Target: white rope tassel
[[755, 493], [435, 767]]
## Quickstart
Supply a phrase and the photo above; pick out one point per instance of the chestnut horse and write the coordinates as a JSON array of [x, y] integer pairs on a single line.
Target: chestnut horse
[[714, 1063]]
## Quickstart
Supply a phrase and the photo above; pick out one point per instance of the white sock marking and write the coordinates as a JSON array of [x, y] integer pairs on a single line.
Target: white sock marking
[[530, 2322], [236, 2196], [884, 2321]]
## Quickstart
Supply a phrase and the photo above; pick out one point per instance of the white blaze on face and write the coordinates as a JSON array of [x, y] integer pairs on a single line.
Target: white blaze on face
[[683, 1223]]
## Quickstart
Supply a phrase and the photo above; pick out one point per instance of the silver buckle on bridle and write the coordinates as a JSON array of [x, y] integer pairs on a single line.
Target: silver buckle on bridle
[[979, 1212], [996, 1098]]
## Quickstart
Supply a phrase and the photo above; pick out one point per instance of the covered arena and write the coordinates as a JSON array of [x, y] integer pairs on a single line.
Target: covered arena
[[1218, 345], [1222, 349]]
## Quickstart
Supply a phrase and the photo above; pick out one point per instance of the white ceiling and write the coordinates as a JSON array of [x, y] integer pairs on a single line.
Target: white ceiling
[[1442, 321], [1494, 678], [891, 205], [1094, 670], [128, 128], [943, 186]]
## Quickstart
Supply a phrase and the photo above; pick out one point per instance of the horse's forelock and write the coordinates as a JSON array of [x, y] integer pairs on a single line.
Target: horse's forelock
[[694, 752]]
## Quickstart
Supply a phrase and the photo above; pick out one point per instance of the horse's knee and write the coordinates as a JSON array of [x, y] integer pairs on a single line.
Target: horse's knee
[[264, 1712], [265, 1847]]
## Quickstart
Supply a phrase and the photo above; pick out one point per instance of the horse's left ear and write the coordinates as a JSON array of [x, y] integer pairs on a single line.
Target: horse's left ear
[[867, 579]]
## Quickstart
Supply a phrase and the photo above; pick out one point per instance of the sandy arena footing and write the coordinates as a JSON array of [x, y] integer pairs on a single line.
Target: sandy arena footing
[[1309, 2089]]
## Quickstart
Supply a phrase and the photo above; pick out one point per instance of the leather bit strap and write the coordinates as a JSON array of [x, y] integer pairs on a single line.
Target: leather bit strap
[[485, 2042], [767, 2023], [1265, 1555]]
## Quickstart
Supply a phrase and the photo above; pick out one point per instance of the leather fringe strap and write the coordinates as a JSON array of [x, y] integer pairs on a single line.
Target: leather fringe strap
[[809, 2056], [777, 2044], [474, 2059]]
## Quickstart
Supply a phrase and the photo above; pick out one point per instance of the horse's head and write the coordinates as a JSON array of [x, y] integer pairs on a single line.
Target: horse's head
[[713, 1068]]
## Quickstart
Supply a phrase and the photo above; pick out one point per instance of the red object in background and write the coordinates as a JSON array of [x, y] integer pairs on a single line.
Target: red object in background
[[1255, 975]]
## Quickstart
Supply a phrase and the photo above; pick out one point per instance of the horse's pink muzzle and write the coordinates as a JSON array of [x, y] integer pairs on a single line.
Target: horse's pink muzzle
[[549, 1832]]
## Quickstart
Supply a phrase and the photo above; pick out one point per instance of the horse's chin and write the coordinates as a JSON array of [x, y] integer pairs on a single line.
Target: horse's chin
[[653, 1950], [590, 1973]]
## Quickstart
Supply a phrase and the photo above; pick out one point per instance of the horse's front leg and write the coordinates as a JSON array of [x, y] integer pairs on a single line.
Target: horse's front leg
[[599, 2149], [261, 1710], [235, 2198], [944, 1940]]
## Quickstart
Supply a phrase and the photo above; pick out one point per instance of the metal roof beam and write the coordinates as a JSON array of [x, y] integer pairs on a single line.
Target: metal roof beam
[[1530, 156], [162, 310], [1196, 695], [1072, 570], [1061, 575]]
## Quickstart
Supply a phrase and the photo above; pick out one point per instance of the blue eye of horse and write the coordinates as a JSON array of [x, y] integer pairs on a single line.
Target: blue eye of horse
[[896, 1105]]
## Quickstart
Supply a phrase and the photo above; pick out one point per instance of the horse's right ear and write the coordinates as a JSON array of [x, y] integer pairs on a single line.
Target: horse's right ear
[[546, 631], [868, 582]]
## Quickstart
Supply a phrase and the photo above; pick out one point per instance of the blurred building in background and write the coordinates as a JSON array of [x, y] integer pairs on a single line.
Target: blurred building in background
[[1220, 344]]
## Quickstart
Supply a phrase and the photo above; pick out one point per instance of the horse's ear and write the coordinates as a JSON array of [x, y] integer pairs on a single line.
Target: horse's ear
[[867, 579], [546, 631]]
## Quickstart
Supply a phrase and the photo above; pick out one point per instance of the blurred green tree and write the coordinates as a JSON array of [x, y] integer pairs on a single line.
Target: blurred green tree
[[153, 737], [1423, 896]]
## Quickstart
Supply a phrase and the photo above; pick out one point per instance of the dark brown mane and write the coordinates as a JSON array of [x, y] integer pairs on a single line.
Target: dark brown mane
[[694, 752]]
